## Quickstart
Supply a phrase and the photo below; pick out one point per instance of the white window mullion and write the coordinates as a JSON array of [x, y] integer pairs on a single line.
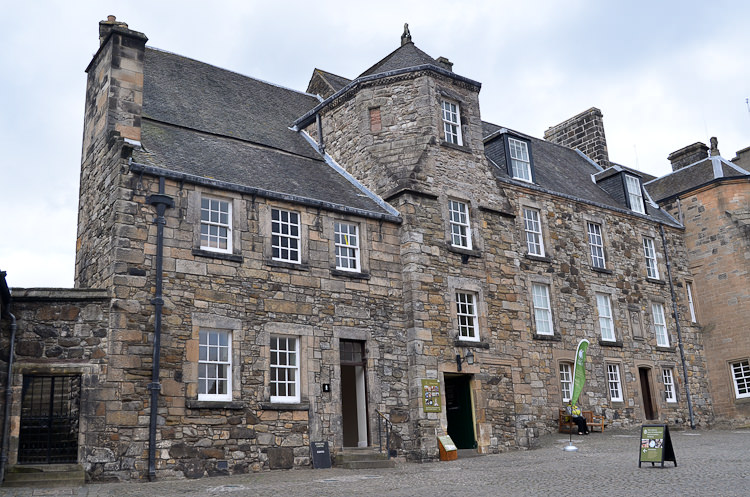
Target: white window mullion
[[452, 122], [566, 381], [466, 314], [596, 244], [533, 230], [460, 224], [542, 309], [660, 325], [215, 365], [613, 380], [669, 391], [284, 381], [649, 251], [216, 225], [346, 241], [606, 322], [285, 236]]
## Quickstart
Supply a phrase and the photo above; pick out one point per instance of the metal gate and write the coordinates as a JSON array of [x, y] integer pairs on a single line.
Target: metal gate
[[49, 420]]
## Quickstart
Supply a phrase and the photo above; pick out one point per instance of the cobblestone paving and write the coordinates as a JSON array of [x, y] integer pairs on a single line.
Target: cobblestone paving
[[713, 462]]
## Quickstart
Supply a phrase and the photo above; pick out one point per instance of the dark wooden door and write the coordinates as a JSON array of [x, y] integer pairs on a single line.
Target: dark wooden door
[[459, 411]]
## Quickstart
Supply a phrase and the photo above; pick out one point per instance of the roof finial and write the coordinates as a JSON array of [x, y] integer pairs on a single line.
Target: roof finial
[[406, 37], [714, 147]]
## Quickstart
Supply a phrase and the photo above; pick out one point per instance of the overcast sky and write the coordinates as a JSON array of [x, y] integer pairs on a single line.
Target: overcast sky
[[665, 74]]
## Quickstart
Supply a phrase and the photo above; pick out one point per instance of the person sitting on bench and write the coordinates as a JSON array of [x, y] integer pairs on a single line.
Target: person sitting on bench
[[578, 419]]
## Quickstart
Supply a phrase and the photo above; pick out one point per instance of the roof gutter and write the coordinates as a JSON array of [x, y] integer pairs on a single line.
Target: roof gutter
[[260, 192]]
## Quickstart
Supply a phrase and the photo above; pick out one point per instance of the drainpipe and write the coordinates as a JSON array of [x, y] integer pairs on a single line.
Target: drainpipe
[[162, 202], [677, 322], [5, 312]]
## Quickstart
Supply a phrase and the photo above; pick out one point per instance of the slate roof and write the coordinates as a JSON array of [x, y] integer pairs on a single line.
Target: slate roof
[[693, 176], [335, 81], [209, 123], [557, 169], [405, 56]]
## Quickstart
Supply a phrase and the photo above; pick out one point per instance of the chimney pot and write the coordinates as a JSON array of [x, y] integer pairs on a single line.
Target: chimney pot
[[111, 18]]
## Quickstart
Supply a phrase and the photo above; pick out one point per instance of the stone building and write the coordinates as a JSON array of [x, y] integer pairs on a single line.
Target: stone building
[[268, 267], [711, 197]]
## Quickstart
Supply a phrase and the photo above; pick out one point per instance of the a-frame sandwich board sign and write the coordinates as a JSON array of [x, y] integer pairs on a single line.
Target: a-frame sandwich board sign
[[655, 445]]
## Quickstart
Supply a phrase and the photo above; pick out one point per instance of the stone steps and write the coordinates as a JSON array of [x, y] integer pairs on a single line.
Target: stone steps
[[362, 458], [43, 475]]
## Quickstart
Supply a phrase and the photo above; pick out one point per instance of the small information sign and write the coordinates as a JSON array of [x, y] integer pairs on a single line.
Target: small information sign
[[656, 445], [321, 455], [431, 396], [448, 450]]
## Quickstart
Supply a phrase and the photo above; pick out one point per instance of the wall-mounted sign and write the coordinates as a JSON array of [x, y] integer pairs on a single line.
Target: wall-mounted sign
[[656, 445], [431, 396]]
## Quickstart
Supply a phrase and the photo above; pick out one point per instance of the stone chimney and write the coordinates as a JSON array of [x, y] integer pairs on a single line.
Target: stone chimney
[[445, 63], [584, 132], [114, 88], [688, 155]]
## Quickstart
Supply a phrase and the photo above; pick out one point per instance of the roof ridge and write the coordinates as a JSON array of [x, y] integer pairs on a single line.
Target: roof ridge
[[233, 72]]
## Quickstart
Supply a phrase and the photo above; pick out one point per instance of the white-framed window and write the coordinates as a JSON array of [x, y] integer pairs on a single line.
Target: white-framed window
[[596, 245], [691, 304], [519, 159], [532, 225], [660, 325], [216, 224], [741, 376], [215, 365], [466, 314], [566, 381], [669, 392], [346, 241], [284, 381], [542, 309], [635, 196], [452, 122], [285, 235], [460, 226], [613, 381], [652, 270], [606, 322]]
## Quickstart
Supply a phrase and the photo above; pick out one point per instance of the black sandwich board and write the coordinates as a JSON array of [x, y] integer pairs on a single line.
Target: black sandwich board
[[321, 455], [655, 445]]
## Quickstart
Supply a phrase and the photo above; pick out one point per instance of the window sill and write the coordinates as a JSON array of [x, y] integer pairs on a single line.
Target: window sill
[[214, 404], [655, 281], [217, 255], [609, 343], [281, 406], [350, 274], [460, 148], [601, 270], [470, 343], [547, 338], [743, 400], [288, 265], [538, 258], [463, 251], [665, 349]]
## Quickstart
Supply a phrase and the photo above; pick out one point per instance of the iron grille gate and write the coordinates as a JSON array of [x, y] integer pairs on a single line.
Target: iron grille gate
[[49, 420]]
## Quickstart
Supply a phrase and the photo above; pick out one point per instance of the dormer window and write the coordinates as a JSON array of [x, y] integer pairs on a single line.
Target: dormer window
[[635, 196], [519, 160], [452, 123]]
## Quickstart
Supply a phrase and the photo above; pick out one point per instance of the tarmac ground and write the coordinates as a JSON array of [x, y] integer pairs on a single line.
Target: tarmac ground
[[709, 462]]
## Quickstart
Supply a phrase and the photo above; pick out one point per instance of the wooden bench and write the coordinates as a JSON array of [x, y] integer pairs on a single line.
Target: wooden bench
[[565, 423]]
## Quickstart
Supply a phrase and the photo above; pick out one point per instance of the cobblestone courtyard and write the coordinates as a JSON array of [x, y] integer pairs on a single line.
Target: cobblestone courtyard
[[709, 463]]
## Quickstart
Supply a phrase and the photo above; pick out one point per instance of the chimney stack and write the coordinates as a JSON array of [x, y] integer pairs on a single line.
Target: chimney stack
[[688, 155], [445, 63], [105, 27], [584, 132]]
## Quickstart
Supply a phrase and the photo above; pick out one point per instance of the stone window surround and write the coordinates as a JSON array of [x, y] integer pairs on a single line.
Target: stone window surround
[[588, 218], [305, 362], [738, 398], [616, 317], [473, 286], [561, 357], [663, 303], [615, 362], [543, 280], [239, 223], [477, 244], [364, 245], [264, 229], [445, 94], [538, 206], [190, 366], [671, 369]]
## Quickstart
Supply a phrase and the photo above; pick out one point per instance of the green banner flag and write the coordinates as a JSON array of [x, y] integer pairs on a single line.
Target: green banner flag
[[579, 371]]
